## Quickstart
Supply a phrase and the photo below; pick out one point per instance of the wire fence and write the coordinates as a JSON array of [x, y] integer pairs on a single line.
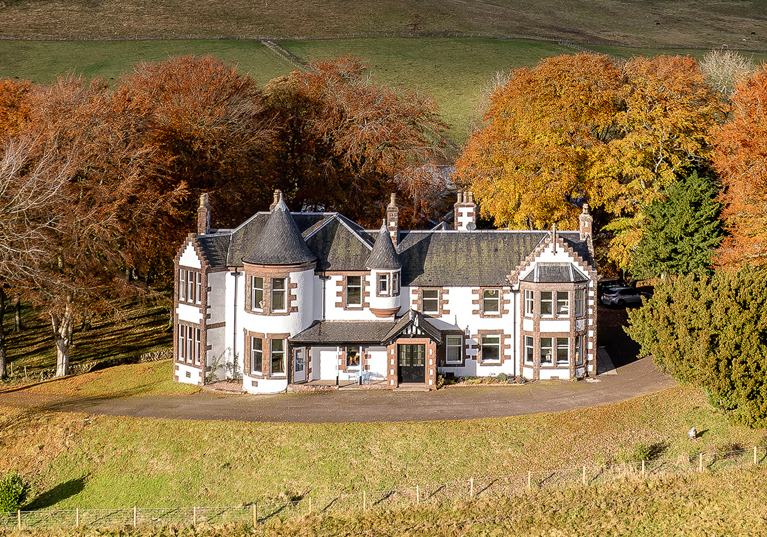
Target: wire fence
[[449, 492]]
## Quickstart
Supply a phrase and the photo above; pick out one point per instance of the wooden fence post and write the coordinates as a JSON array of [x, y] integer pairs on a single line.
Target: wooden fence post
[[135, 516], [310, 504], [194, 516], [529, 480], [77, 517], [643, 469], [583, 477], [18, 519], [255, 515], [756, 459], [471, 488]]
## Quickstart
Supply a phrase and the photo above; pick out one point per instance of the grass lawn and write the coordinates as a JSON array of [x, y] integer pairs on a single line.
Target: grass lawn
[[108, 461]]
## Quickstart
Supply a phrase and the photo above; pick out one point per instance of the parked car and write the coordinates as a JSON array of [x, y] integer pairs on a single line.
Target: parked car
[[622, 296]]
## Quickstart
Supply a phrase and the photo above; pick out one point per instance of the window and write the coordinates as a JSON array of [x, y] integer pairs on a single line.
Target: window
[[563, 303], [579, 296], [491, 301], [395, 284], [491, 348], [546, 351], [256, 354], [352, 357], [563, 351], [546, 303], [256, 293], [529, 302], [579, 350], [189, 339], [529, 351], [278, 357], [354, 290], [189, 286], [430, 301], [279, 302], [383, 285], [453, 349]]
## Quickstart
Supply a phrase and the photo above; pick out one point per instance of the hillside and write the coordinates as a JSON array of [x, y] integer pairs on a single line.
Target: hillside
[[704, 23]]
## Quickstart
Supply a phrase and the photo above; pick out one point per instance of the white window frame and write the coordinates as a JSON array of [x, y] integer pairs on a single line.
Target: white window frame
[[486, 300], [542, 355], [549, 301], [189, 344], [579, 302], [529, 350], [562, 343], [255, 303], [529, 302], [383, 284], [359, 286], [456, 344], [279, 291], [496, 344], [189, 286], [579, 358], [274, 352], [256, 351], [435, 299], [563, 304], [395, 284]]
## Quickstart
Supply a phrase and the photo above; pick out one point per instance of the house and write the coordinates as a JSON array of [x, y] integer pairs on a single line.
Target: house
[[310, 297]]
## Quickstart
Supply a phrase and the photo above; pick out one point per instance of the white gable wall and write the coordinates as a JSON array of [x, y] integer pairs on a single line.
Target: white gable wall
[[189, 258]]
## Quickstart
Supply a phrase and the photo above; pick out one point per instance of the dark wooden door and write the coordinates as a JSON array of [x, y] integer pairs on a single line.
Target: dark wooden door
[[412, 363]]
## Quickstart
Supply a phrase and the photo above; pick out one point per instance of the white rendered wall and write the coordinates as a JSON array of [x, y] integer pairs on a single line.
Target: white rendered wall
[[195, 375], [264, 386], [292, 323], [333, 313], [217, 297], [189, 258], [189, 314], [377, 363], [218, 355]]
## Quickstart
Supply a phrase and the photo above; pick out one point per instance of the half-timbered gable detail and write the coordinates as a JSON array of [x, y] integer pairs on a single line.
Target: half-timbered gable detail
[[311, 297]]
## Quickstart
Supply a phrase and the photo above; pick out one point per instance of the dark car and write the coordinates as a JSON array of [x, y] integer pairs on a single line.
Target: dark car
[[623, 296]]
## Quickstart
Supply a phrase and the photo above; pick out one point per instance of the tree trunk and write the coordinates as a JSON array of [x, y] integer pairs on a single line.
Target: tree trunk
[[62, 333], [3, 354], [17, 314]]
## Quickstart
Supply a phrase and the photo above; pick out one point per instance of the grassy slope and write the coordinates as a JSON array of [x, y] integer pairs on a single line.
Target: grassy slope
[[704, 23], [107, 461]]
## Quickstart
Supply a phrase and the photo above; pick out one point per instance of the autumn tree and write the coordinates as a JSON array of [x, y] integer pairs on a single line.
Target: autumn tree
[[710, 331], [345, 142], [740, 159], [723, 68], [587, 128], [681, 231]]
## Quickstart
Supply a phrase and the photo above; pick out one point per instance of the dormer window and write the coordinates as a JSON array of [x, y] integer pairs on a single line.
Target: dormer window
[[383, 285]]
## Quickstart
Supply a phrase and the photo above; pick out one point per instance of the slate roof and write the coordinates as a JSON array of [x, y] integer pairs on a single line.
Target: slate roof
[[383, 255], [555, 273], [345, 332], [427, 258], [280, 242]]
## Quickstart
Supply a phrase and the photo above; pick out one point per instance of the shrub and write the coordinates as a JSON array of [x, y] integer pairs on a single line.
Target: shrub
[[13, 492]]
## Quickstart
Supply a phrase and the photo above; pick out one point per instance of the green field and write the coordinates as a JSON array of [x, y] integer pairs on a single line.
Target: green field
[[455, 72]]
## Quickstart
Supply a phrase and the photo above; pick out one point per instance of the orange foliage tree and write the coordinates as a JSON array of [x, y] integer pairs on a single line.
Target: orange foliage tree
[[740, 158], [587, 128], [345, 142]]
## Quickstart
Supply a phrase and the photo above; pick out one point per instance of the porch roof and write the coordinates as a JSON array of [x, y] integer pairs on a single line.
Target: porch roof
[[345, 332]]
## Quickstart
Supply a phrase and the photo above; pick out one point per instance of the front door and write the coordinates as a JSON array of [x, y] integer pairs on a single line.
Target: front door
[[412, 363]]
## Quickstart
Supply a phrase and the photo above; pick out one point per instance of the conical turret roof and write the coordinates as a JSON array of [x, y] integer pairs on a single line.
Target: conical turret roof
[[280, 242], [383, 255]]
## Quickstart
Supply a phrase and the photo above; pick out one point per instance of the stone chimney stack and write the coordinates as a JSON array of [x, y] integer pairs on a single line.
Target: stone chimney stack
[[203, 215], [465, 212], [554, 237], [586, 222], [392, 220], [277, 197]]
